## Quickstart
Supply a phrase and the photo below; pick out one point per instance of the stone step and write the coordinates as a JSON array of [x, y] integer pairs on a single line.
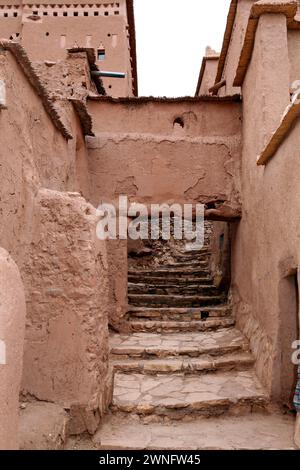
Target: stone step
[[190, 256], [170, 272], [178, 314], [192, 289], [186, 365], [187, 264], [251, 432], [176, 396], [189, 267], [150, 345], [157, 326], [145, 300], [206, 249], [160, 281]]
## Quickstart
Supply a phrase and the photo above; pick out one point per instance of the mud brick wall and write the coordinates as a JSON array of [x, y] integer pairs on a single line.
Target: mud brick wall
[[66, 346]]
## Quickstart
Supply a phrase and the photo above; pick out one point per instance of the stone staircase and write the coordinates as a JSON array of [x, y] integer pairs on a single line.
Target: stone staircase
[[182, 361]]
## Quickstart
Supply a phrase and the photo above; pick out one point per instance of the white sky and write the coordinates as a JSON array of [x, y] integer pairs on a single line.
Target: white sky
[[171, 39]]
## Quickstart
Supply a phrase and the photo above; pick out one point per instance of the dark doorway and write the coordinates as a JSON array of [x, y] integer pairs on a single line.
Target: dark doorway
[[288, 334]]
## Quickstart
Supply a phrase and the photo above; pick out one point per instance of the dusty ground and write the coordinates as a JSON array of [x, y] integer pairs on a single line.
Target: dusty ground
[[243, 432]]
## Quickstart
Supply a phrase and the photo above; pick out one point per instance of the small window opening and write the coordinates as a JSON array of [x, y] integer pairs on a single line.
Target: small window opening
[[75, 13], [178, 122], [15, 14], [85, 13], [117, 12], [101, 54], [5, 15], [55, 13], [45, 13], [96, 13], [47, 34], [106, 13], [65, 13]]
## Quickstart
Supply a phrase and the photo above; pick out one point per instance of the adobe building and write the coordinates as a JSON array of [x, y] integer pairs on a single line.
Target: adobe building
[[128, 344], [48, 29]]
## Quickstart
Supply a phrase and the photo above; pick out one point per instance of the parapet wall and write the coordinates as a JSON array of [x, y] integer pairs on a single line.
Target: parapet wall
[[157, 151]]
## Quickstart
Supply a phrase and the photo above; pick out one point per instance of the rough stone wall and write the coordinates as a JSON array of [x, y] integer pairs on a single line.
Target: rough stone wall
[[66, 345], [69, 78], [151, 254], [265, 248]]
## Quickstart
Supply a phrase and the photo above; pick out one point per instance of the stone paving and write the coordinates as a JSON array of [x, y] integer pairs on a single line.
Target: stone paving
[[176, 326], [178, 314], [187, 365], [261, 432]]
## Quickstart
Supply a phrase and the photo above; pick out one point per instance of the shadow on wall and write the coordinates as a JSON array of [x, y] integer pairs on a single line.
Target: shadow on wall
[[221, 255]]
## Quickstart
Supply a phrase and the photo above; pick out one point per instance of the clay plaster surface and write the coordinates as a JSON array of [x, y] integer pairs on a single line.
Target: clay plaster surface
[[66, 352], [12, 327]]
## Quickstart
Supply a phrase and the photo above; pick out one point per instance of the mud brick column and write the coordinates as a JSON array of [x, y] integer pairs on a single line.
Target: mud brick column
[[66, 347], [272, 75], [297, 432], [12, 325]]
